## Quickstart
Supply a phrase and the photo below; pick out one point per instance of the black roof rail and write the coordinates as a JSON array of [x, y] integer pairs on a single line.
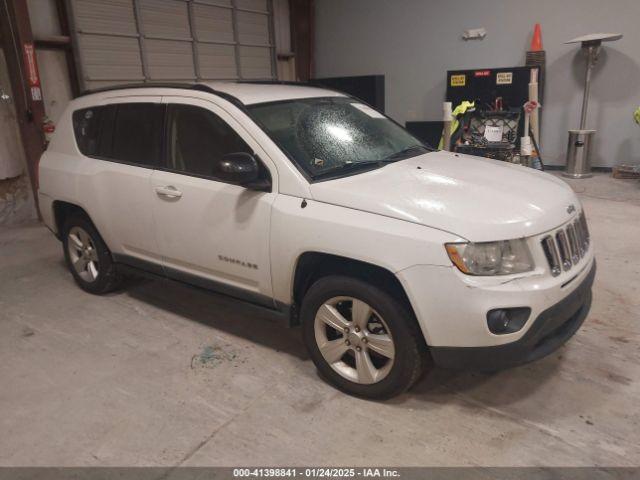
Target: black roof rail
[[206, 88], [227, 96], [184, 86], [124, 86], [275, 82]]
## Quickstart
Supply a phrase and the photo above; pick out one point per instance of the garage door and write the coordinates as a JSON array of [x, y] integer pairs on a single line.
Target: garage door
[[120, 41]]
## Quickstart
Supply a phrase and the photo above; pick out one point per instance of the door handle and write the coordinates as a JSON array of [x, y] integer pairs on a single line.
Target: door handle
[[168, 191]]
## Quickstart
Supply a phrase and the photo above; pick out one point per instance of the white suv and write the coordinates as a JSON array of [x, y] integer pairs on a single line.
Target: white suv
[[314, 205]]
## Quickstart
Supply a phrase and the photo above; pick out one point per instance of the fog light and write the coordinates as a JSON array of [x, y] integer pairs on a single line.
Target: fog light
[[507, 320]]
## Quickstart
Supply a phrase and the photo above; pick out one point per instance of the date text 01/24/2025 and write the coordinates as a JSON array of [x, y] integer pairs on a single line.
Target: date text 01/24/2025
[[319, 472]]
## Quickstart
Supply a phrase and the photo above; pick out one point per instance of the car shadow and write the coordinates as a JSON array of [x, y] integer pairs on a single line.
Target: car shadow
[[489, 389], [438, 386], [223, 313]]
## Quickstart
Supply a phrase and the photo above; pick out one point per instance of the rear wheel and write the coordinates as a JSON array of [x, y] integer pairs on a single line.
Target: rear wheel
[[87, 256], [361, 338]]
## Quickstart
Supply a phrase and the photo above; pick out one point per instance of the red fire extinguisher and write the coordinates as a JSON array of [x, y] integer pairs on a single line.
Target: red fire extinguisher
[[48, 127]]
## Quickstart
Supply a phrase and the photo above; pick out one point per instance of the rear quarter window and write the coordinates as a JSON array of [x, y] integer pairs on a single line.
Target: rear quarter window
[[86, 127]]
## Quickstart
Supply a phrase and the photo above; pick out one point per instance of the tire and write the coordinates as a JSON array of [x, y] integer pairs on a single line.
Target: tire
[[87, 256], [386, 316]]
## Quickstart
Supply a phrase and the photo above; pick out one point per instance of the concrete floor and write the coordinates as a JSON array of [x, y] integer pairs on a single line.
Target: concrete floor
[[160, 374], [17, 204]]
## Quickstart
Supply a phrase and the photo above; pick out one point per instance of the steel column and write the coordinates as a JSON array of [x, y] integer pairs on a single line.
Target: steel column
[[16, 33]]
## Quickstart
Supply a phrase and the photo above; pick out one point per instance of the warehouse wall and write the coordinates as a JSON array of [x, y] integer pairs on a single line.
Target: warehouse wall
[[414, 42]]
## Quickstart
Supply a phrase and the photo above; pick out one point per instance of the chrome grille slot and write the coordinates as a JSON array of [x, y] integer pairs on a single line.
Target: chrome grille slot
[[585, 231], [551, 252], [566, 246], [563, 246], [573, 244], [577, 228]]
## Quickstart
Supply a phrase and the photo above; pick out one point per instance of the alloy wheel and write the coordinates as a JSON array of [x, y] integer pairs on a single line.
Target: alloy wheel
[[83, 254], [354, 340]]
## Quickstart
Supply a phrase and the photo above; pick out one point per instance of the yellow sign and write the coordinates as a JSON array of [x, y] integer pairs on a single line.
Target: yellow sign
[[458, 80], [504, 78]]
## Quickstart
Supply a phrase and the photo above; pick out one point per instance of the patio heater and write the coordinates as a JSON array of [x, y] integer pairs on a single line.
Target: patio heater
[[579, 146]]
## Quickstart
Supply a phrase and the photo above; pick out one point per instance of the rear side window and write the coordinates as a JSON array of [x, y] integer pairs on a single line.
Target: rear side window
[[137, 133], [107, 122], [125, 132], [86, 126]]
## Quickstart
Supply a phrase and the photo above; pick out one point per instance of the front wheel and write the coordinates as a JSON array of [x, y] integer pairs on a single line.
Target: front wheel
[[361, 338]]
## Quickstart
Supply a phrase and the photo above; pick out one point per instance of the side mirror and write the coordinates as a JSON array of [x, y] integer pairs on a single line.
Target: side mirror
[[241, 168]]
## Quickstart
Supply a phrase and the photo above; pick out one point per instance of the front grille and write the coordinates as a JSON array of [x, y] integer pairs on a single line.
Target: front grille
[[565, 247]]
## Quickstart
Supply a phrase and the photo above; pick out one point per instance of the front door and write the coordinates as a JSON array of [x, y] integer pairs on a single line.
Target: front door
[[211, 233]]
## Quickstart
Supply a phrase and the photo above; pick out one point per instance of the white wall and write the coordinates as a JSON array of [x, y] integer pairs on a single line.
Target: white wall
[[414, 42]]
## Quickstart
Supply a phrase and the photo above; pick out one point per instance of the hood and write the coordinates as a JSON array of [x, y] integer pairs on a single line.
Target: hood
[[472, 197]]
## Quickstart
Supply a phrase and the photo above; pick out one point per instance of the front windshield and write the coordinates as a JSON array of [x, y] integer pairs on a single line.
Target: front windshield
[[334, 136]]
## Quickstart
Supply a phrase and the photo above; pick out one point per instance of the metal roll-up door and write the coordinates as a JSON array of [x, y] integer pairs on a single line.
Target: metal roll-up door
[[124, 41]]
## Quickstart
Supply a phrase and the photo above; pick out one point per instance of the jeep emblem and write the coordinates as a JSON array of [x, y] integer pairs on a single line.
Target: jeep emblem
[[571, 208]]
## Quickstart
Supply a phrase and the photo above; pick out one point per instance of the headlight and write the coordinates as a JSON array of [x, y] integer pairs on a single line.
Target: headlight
[[491, 258]]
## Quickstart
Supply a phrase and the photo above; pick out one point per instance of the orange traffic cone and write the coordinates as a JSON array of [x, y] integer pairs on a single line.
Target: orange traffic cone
[[536, 57], [536, 40]]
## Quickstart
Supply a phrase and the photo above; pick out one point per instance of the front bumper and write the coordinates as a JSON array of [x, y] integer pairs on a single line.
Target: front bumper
[[550, 330]]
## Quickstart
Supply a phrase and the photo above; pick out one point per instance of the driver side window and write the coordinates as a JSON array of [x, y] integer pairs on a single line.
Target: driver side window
[[198, 139]]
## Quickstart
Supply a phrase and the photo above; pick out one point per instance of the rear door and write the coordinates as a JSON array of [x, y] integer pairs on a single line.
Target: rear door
[[117, 187], [211, 233]]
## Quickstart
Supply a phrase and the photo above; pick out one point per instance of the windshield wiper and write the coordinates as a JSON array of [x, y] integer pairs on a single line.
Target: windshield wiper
[[405, 151], [351, 166]]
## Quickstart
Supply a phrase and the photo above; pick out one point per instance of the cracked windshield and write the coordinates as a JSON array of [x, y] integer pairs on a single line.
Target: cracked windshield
[[335, 136]]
